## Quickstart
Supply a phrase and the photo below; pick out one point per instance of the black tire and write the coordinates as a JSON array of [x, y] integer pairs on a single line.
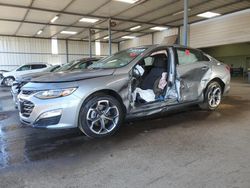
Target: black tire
[[6, 81], [207, 103], [88, 121]]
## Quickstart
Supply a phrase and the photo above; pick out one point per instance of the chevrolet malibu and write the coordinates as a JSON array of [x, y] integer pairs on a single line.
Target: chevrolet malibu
[[132, 83]]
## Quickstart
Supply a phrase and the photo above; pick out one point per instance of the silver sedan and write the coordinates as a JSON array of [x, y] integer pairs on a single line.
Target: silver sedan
[[132, 83]]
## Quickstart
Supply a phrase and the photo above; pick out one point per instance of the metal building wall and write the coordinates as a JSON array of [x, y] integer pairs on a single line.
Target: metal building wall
[[159, 36], [228, 29], [140, 41], [15, 51], [156, 38]]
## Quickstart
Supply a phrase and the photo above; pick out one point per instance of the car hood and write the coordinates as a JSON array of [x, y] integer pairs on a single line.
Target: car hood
[[73, 76], [28, 77]]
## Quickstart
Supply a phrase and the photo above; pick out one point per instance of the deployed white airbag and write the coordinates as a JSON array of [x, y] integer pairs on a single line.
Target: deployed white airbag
[[147, 95]]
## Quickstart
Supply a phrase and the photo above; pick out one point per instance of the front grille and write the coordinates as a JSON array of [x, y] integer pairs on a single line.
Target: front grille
[[26, 107], [28, 92]]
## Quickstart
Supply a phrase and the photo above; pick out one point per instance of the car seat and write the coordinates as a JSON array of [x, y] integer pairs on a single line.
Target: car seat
[[159, 66]]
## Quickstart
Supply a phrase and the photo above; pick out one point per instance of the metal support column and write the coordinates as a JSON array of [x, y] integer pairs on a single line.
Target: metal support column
[[185, 24], [67, 50], [179, 36], [152, 38], [110, 38], [90, 43]]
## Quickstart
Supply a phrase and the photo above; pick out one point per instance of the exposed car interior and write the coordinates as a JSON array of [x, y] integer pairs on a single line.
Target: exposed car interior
[[151, 84]]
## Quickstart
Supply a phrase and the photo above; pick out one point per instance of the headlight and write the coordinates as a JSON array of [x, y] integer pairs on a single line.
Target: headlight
[[50, 94]]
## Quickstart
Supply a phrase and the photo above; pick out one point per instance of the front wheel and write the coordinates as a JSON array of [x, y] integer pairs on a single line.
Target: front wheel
[[8, 81], [212, 97], [100, 116]]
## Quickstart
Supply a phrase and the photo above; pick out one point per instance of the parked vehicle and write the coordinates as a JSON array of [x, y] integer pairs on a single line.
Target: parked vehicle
[[9, 77], [24, 79], [73, 65], [1, 73], [132, 83]]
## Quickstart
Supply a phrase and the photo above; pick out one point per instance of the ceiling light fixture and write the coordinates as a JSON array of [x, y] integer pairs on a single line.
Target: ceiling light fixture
[[208, 14], [105, 38], [88, 20], [159, 28], [54, 19], [39, 32], [68, 32], [128, 1], [128, 37], [134, 28]]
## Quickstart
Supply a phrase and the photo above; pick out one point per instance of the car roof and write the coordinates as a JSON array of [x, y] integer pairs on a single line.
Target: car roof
[[162, 45], [155, 46], [88, 58], [36, 63]]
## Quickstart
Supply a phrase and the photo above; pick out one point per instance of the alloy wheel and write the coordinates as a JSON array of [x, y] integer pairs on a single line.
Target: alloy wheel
[[214, 96], [102, 117], [8, 81]]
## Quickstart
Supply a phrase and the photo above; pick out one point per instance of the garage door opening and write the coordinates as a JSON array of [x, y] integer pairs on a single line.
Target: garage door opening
[[237, 56]]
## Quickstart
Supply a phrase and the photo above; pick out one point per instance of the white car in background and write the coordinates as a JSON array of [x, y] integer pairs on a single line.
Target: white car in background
[[10, 77]]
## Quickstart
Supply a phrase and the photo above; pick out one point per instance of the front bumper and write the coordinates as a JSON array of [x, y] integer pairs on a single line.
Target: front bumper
[[41, 113]]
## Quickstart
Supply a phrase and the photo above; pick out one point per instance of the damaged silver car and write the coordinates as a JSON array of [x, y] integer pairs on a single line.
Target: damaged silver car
[[132, 83]]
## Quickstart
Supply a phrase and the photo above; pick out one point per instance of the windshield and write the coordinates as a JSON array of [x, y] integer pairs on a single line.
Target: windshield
[[117, 60], [67, 66], [52, 68]]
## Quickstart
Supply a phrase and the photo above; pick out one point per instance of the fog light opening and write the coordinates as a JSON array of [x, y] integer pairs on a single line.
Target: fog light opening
[[51, 113]]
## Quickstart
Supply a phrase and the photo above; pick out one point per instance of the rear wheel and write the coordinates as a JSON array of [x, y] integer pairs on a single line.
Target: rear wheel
[[8, 81], [100, 116], [212, 97]]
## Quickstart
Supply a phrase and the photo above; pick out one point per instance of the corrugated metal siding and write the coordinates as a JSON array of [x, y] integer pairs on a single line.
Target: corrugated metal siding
[[140, 41], [15, 51], [158, 37], [228, 29]]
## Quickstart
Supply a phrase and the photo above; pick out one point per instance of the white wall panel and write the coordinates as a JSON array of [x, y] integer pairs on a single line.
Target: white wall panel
[[15, 51], [10, 61], [138, 41], [80, 47], [157, 38], [105, 49], [228, 29]]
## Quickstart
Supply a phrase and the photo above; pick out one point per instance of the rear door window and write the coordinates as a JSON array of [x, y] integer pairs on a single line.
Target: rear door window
[[188, 56], [205, 58], [24, 68], [38, 66]]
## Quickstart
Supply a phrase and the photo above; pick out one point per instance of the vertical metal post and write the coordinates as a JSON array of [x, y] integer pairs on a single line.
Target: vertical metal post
[[90, 43], [67, 50], [185, 24], [153, 38], [110, 37], [179, 36]]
